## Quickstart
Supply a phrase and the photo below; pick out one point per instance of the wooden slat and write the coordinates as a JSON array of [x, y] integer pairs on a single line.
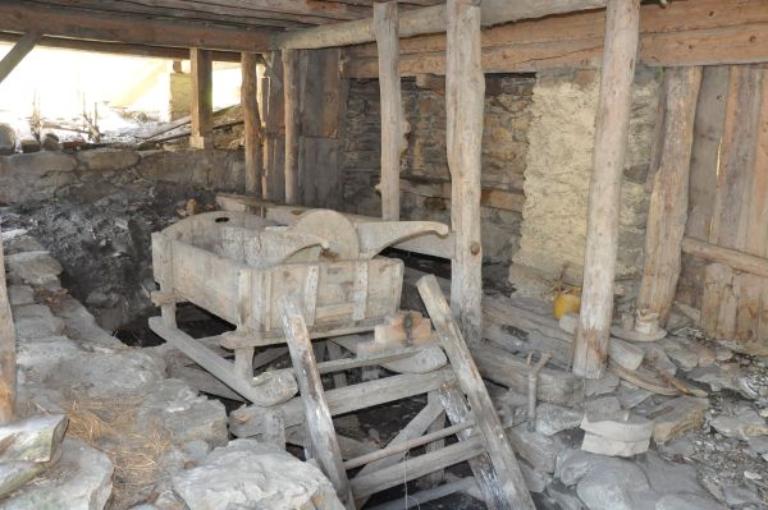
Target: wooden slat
[[291, 104], [274, 127], [511, 481], [77, 24], [319, 423]]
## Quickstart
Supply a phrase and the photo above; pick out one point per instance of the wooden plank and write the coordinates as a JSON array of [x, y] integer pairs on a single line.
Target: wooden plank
[[704, 32], [714, 277], [736, 259], [426, 21], [252, 136], [385, 23], [668, 210], [319, 423], [274, 127], [17, 53], [613, 110], [465, 103], [291, 99], [201, 136], [705, 155], [756, 235], [511, 481], [455, 405], [729, 222], [79, 24], [7, 350], [247, 421]]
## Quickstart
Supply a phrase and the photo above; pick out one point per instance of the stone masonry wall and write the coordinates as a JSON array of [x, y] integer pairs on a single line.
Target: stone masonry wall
[[558, 169], [507, 116]]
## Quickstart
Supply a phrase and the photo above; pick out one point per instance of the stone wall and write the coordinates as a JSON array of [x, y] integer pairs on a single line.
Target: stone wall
[[507, 116], [558, 168], [43, 175]]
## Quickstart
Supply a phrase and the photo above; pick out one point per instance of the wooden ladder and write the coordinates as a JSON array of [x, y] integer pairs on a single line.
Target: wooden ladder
[[474, 422]]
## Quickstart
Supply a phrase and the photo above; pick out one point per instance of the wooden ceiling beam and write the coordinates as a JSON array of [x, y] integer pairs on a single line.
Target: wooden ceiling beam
[[84, 25], [138, 50], [427, 20], [17, 53]]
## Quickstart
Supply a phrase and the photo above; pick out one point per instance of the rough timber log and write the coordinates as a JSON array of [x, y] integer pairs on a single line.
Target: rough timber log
[[291, 88], [385, 16], [464, 98], [618, 70], [428, 20], [17, 53], [7, 350], [254, 161], [668, 212], [202, 99]]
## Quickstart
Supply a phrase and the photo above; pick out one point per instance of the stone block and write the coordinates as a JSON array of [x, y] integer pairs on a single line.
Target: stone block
[[744, 424], [37, 268], [621, 426], [674, 418], [35, 321], [108, 159], [20, 295], [604, 446]]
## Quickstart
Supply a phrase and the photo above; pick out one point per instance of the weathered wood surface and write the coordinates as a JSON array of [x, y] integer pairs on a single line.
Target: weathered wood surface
[[246, 421], [292, 106], [613, 109], [7, 349], [668, 210], [201, 136], [464, 98], [426, 21], [700, 33], [17, 53], [401, 359], [271, 391], [457, 410], [274, 127], [376, 236], [319, 423], [385, 23], [512, 483], [254, 157], [34, 439], [738, 260]]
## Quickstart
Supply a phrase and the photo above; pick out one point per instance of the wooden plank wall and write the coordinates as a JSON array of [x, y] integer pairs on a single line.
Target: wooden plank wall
[[729, 200]]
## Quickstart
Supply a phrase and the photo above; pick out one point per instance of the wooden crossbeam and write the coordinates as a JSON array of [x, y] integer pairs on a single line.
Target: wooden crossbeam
[[17, 53], [79, 24]]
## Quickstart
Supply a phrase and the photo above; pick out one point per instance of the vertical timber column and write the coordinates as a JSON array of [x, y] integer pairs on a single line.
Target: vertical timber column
[[291, 76], [7, 351], [385, 20], [274, 127], [668, 211], [613, 109], [252, 125], [202, 99], [464, 95]]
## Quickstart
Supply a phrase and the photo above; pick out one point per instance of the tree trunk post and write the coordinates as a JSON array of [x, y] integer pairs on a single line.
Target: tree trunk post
[[252, 133], [202, 99]]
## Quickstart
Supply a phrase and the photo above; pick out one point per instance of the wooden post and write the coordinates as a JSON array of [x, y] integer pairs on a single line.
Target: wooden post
[[668, 211], [7, 350], [464, 96], [618, 70], [385, 20], [511, 482], [202, 99], [252, 125], [274, 128], [319, 423], [291, 76], [17, 53]]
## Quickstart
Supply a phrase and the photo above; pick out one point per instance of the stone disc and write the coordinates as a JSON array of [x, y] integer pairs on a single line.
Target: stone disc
[[340, 233]]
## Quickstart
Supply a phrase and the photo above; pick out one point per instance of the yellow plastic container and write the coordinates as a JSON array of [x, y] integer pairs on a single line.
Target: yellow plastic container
[[566, 301]]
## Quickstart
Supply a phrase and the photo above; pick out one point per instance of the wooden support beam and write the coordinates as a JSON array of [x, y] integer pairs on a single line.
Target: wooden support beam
[[291, 103], [511, 481], [385, 20], [7, 350], [17, 53], [428, 20], [84, 25], [465, 103], [202, 99], [668, 211], [618, 71], [139, 50], [737, 260], [319, 423], [274, 127], [254, 159]]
